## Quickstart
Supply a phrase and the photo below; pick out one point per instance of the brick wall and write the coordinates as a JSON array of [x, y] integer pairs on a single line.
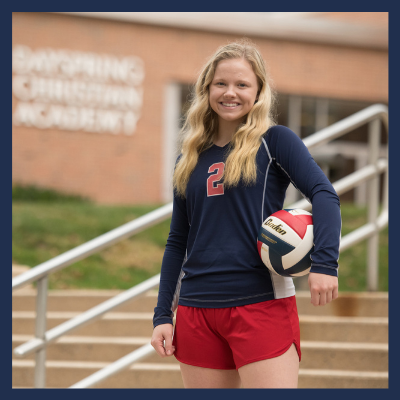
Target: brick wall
[[379, 19], [120, 169]]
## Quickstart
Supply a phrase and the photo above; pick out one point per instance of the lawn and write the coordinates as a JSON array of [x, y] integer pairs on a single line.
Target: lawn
[[46, 224]]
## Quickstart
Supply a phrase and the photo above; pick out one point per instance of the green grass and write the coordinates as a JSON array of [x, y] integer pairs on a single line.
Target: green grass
[[37, 194], [43, 229], [353, 261], [46, 224]]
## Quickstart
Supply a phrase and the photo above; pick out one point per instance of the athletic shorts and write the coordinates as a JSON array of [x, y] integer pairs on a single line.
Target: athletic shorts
[[228, 338]]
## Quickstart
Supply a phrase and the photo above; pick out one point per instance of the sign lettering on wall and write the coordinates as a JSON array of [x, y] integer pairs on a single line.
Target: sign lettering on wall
[[77, 91]]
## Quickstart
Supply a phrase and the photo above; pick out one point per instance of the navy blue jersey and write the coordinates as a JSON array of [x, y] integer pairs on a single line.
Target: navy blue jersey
[[211, 253]]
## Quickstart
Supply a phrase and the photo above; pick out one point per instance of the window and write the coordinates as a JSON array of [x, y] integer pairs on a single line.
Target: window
[[306, 115]]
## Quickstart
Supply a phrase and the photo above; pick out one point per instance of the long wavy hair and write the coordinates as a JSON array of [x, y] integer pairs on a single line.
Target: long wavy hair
[[201, 124]]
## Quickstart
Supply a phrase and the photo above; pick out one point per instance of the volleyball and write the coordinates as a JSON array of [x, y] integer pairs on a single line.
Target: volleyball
[[286, 241]]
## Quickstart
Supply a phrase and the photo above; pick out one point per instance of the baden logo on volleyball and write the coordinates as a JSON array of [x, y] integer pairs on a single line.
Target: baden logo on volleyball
[[286, 241]]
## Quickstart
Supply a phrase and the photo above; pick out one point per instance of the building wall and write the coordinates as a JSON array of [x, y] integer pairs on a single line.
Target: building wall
[[122, 169], [380, 19]]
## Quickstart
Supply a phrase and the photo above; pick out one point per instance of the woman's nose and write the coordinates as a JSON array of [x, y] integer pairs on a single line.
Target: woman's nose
[[229, 92]]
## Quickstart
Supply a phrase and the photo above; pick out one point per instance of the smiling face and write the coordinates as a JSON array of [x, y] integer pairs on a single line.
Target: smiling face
[[233, 90]]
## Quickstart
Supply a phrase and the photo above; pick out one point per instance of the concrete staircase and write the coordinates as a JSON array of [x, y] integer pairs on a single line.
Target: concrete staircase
[[344, 344]]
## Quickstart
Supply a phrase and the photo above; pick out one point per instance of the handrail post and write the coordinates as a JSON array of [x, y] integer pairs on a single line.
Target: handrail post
[[40, 331], [370, 115], [374, 139]]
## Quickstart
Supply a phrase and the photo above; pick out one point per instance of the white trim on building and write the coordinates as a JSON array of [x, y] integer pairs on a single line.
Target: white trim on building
[[172, 110], [310, 27]]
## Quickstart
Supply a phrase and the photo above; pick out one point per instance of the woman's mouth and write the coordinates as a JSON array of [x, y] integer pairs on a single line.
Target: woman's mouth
[[230, 105]]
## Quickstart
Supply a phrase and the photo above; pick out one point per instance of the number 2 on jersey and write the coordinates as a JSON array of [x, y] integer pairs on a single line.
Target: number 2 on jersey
[[219, 187]]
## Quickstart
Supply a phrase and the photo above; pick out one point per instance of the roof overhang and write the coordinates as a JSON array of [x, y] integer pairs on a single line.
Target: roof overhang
[[306, 26]]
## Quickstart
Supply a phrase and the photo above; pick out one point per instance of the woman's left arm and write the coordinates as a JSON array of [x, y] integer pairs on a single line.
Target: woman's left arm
[[293, 157]]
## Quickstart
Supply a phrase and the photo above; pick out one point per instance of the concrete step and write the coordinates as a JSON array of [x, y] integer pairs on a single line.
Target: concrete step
[[347, 338], [62, 374], [111, 324], [344, 329], [326, 355], [81, 300], [315, 328], [328, 379], [372, 357], [348, 304], [78, 348]]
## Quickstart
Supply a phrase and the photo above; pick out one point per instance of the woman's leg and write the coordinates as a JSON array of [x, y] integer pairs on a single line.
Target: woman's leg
[[277, 372], [197, 342], [198, 377]]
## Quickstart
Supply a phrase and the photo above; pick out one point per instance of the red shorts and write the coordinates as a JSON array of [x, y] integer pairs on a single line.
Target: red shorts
[[228, 338]]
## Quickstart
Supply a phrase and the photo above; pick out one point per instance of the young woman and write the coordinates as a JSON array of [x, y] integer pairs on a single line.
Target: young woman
[[237, 323]]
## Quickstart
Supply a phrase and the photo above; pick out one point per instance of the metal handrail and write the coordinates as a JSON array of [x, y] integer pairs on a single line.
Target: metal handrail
[[347, 183], [93, 246], [347, 241], [340, 128], [371, 114], [352, 238], [124, 231], [84, 318], [341, 186], [96, 312]]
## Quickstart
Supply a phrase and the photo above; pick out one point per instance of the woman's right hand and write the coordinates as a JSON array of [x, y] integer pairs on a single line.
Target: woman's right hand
[[160, 333]]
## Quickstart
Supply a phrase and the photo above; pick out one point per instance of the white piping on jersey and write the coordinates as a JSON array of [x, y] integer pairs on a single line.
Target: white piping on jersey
[[265, 180], [266, 148], [263, 199], [280, 166], [175, 297], [281, 292]]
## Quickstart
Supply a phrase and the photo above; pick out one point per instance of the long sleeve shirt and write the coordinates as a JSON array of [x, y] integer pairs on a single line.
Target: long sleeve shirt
[[211, 258]]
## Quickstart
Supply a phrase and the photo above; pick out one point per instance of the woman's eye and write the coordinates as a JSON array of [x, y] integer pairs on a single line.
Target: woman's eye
[[220, 83], [242, 85]]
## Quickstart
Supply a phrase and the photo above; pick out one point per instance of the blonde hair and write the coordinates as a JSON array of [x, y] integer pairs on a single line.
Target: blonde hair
[[201, 123]]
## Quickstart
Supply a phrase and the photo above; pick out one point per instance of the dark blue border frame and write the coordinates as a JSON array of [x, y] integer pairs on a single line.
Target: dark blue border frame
[[194, 394]]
